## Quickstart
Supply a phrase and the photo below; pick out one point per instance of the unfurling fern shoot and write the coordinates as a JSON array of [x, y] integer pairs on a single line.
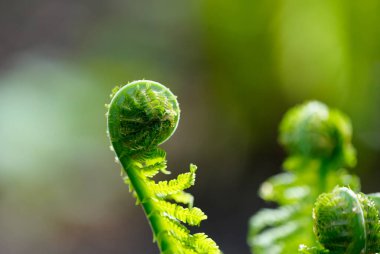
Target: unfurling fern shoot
[[318, 141], [142, 115], [345, 222]]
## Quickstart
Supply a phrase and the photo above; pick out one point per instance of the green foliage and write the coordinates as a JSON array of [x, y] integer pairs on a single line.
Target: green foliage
[[318, 141], [142, 115], [346, 222]]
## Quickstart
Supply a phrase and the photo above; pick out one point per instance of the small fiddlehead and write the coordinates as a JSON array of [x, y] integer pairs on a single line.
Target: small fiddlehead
[[313, 131], [142, 115], [345, 222], [318, 141]]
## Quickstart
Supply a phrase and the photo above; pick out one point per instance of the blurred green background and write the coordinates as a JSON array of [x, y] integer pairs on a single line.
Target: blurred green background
[[236, 67]]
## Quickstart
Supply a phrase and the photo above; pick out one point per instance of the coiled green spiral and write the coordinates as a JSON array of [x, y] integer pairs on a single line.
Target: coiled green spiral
[[345, 222], [313, 130], [142, 115]]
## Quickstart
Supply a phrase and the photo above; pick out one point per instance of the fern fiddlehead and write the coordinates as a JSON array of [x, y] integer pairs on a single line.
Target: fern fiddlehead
[[345, 222], [318, 141], [142, 115]]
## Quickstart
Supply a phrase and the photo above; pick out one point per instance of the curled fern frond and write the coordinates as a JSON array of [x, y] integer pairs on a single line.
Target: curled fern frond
[[142, 115], [347, 222], [318, 142], [312, 130]]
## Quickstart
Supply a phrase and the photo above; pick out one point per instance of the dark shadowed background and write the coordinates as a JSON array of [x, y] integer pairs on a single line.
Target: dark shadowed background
[[236, 67]]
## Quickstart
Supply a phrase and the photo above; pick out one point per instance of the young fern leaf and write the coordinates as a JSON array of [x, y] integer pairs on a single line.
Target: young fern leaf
[[142, 115], [345, 222], [182, 197], [175, 186], [318, 141]]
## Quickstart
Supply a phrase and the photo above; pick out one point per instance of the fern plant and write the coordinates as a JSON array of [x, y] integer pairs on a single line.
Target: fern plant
[[318, 141], [346, 222], [142, 115]]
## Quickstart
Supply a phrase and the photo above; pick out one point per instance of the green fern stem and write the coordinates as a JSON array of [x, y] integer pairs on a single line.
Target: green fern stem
[[323, 173], [142, 192]]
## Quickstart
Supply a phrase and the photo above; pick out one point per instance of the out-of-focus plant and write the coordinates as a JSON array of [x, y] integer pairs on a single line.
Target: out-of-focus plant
[[286, 51], [318, 141], [141, 116]]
